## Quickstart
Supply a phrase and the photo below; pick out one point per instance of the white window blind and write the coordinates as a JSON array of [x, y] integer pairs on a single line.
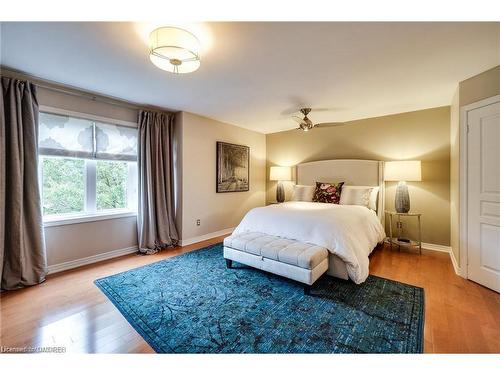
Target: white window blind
[[65, 136], [115, 142], [61, 135]]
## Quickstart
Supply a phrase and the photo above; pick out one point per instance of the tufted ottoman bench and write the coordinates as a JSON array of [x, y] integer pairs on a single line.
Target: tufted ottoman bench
[[288, 258]]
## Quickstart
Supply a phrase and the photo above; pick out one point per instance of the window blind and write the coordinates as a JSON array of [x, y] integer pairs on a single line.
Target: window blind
[[67, 136], [115, 142]]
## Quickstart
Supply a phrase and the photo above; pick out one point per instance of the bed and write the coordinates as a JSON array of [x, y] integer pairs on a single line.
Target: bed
[[347, 232]]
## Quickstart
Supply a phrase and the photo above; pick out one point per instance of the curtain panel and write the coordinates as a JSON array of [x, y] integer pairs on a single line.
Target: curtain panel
[[22, 246], [155, 222]]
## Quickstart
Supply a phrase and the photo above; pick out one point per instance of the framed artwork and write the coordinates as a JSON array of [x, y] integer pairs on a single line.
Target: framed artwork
[[233, 167]]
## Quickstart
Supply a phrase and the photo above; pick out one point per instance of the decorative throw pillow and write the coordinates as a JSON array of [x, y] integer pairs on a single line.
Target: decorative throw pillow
[[303, 193], [327, 192], [356, 195]]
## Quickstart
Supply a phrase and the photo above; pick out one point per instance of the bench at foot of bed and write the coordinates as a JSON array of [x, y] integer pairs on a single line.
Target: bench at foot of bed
[[291, 259]]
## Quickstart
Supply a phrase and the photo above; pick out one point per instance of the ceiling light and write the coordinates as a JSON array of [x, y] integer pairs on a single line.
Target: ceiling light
[[174, 50]]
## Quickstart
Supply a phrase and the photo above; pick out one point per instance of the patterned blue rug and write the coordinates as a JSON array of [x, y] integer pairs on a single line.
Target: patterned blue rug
[[193, 304]]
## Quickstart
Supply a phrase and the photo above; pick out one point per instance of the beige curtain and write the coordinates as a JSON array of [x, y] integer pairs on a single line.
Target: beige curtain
[[22, 245], [155, 223]]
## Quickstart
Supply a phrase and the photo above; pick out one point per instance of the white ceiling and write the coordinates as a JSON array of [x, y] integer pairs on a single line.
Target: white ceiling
[[253, 74]]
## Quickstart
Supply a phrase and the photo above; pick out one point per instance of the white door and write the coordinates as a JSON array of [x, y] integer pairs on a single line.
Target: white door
[[483, 186]]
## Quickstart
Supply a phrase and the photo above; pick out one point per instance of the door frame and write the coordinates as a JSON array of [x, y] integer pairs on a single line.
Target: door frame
[[463, 178]]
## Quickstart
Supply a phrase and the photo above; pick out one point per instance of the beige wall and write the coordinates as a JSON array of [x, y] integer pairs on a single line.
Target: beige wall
[[217, 211], [80, 104], [481, 86], [421, 135], [454, 176], [177, 182], [75, 241]]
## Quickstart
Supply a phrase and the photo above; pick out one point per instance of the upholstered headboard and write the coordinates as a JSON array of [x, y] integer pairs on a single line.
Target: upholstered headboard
[[351, 171]]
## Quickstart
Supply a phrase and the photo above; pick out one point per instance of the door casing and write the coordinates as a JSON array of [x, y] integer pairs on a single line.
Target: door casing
[[463, 240]]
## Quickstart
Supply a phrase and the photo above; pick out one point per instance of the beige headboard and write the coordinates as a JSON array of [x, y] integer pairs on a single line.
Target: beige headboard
[[351, 171]]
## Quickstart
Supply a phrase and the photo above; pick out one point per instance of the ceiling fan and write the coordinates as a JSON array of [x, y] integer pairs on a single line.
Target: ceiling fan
[[305, 123]]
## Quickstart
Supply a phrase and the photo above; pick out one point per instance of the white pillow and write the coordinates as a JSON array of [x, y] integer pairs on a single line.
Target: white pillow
[[374, 198], [360, 196], [303, 193]]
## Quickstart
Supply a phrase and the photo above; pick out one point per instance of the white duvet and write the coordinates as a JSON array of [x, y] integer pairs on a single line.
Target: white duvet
[[350, 232]]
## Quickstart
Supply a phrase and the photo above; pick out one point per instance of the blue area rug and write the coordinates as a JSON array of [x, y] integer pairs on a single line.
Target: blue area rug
[[193, 304]]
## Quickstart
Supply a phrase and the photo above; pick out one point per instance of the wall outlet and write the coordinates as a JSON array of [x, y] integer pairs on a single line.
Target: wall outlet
[[198, 222]]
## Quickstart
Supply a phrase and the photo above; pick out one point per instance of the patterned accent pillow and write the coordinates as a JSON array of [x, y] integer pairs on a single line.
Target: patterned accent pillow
[[327, 192]]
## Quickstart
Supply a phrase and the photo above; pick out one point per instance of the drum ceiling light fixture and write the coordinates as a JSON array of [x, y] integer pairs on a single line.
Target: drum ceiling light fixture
[[174, 50]]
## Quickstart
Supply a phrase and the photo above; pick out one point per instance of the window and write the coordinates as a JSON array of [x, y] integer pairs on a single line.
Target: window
[[87, 168], [111, 192], [63, 185]]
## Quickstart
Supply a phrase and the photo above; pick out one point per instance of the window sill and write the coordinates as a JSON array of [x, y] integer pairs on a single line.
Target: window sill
[[56, 221]]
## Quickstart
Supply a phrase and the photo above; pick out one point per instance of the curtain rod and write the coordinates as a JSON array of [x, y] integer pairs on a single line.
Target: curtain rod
[[71, 90]]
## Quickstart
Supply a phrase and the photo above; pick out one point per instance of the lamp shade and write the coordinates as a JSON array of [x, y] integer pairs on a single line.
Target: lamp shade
[[280, 174], [409, 170], [174, 50]]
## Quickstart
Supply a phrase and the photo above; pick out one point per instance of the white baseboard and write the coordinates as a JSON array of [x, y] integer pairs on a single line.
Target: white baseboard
[[457, 269], [436, 247], [128, 250], [91, 259], [444, 249], [431, 246], [192, 240]]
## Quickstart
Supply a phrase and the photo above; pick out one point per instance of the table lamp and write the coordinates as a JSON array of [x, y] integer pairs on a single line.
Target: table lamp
[[280, 174], [403, 171]]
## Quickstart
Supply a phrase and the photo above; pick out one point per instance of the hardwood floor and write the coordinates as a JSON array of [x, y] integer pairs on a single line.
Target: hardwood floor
[[68, 310], [460, 315]]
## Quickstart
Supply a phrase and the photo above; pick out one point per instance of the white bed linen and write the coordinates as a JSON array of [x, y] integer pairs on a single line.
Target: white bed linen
[[350, 232]]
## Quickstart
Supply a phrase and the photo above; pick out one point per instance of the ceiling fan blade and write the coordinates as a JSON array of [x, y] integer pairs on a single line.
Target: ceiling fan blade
[[323, 109], [290, 111], [298, 119], [328, 124]]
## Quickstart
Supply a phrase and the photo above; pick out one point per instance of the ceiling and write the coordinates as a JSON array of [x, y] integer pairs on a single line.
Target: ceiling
[[255, 74]]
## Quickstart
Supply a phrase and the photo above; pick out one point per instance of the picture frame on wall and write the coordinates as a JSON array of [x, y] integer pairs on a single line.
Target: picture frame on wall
[[233, 168]]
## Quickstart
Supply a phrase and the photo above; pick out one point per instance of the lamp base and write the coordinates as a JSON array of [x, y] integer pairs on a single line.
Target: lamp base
[[280, 193], [402, 199]]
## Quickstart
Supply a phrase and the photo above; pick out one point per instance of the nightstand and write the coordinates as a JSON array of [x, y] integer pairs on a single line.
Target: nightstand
[[397, 240], [272, 202]]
